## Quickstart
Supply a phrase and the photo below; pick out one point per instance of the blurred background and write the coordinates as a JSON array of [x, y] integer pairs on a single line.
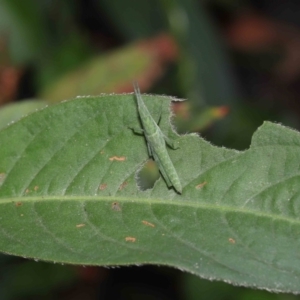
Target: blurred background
[[236, 61]]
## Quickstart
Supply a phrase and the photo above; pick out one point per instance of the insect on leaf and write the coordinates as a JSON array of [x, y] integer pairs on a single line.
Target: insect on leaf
[[156, 142]]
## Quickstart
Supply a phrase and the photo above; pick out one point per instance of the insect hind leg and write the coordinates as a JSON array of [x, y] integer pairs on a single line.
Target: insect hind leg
[[162, 171]]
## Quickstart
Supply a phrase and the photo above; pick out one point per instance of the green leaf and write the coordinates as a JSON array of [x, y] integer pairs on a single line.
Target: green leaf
[[69, 194], [15, 111]]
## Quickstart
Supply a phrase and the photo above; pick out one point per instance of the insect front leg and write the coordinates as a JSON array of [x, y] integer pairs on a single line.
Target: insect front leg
[[162, 170], [170, 143], [137, 130]]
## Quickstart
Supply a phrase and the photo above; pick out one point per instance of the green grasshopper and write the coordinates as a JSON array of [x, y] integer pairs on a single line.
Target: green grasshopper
[[156, 142]]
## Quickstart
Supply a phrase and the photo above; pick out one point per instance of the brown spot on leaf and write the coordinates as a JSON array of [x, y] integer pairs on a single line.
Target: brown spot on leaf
[[36, 188], [18, 203], [117, 158], [148, 223], [123, 185], [201, 185], [80, 225], [115, 206], [231, 240], [130, 239], [102, 186]]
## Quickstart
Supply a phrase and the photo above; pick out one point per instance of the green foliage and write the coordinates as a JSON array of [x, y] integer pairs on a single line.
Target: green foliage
[[25, 26], [102, 74], [204, 72], [13, 112], [133, 18], [69, 194]]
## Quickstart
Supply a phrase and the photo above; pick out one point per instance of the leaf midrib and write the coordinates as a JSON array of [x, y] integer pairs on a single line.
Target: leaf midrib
[[147, 201]]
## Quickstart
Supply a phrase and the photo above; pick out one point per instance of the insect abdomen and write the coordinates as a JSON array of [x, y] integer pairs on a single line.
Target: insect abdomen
[[167, 168]]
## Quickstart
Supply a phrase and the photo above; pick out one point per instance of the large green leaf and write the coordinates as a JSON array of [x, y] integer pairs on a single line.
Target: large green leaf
[[69, 194], [14, 111]]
